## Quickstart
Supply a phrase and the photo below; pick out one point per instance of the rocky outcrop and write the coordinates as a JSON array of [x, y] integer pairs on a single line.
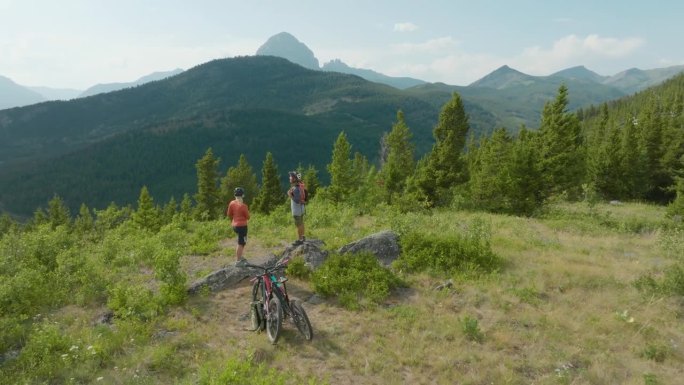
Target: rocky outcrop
[[229, 276], [384, 245], [311, 250], [226, 277]]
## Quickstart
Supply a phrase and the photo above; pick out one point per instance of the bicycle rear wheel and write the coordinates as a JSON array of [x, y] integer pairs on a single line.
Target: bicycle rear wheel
[[257, 316], [274, 319], [301, 320]]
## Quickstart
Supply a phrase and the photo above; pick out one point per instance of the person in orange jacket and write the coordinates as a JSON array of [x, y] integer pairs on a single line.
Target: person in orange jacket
[[238, 212]]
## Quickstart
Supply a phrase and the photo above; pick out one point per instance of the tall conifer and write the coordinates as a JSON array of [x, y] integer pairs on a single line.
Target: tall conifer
[[208, 205]]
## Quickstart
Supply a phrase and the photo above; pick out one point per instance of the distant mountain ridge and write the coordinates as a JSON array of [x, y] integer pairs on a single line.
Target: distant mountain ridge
[[109, 87], [15, 95]]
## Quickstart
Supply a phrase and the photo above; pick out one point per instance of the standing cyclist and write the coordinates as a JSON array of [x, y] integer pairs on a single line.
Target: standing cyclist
[[297, 195], [238, 212]]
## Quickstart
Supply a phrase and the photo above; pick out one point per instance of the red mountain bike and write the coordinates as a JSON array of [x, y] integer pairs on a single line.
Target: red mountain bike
[[271, 304]]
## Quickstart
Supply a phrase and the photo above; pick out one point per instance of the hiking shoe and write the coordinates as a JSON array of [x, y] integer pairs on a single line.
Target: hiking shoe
[[241, 262], [297, 242]]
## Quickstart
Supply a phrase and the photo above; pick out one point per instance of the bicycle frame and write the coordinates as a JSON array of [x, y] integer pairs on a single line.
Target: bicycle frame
[[273, 305]]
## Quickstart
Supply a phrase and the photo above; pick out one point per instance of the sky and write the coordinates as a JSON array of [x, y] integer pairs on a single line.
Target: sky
[[75, 44]]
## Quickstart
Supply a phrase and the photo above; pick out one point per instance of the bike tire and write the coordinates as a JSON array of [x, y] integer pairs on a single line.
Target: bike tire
[[301, 320], [274, 319], [258, 320]]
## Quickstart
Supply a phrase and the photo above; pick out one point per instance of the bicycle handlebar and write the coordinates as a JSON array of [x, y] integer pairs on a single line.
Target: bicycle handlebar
[[278, 266]]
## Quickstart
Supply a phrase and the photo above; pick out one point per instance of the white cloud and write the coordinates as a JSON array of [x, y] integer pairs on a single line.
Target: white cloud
[[434, 46], [405, 27], [573, 50]]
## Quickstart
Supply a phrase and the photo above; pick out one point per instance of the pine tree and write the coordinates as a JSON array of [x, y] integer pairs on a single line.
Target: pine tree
[[186, 207], [605, 171], [526, 179], [147, 216], [633, 161], [445, 163], [58, 212], [169, 211], [271, 194], [310, 176], [399, 163], [84, 222], [208, 205], [652, 129], [561, 146], [341, 169], [489, 179], [240, 176]]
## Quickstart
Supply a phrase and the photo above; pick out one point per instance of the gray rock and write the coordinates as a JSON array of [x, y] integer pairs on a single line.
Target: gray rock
[[227, 277], [384, 245], [311, 250]]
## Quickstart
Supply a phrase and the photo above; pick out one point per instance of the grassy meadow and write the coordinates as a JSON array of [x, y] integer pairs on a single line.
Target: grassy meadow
[[579, 294]]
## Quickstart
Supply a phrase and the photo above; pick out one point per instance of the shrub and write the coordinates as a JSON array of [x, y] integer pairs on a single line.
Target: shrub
[[671, 283], [355, 280], [471, 329], [167, 270], [297, 268], [132, 301], [449, 253]]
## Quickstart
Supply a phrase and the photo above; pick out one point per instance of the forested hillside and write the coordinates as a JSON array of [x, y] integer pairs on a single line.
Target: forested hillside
[[101, 295]]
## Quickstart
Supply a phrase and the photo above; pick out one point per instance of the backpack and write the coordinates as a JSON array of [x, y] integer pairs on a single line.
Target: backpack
[[304, 194]]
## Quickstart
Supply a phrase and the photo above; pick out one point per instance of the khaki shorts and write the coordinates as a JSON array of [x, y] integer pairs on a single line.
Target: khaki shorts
[[299, 219]]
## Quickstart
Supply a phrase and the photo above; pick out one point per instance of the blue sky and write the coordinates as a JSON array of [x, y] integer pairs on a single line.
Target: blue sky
[[79, 43]]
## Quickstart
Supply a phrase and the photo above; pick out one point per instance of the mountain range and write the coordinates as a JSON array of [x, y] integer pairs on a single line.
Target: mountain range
[[105, 147]]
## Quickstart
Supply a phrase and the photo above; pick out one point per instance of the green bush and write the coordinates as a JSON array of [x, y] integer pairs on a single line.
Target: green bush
[[167, 270], [671, 283], [449, 253], [471, 329], [133, 301], [297, 268], [356, 280]]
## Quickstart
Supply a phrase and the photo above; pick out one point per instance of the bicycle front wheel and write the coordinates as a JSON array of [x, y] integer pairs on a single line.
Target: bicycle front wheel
[[301, 320], [274, 319]]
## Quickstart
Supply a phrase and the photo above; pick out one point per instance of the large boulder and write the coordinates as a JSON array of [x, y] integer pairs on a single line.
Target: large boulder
[[228, 276], [384, 245], [311, 250]]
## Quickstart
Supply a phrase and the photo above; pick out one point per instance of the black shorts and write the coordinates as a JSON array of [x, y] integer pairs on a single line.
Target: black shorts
[[241, 232]]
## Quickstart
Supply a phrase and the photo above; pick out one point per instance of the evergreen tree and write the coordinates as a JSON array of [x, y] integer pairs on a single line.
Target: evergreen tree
[[676, 207], [561, 147], [399, 162], [310, 176], [446, 165], [147, 216], [6, 224], [605, 170], [169, 211], [84, 222], [271, 194], [58, 212], [341, 169], [240, 176], [186, 207], [651, 124], [489, 179], [633, 161], [526, 179], [208, 205]]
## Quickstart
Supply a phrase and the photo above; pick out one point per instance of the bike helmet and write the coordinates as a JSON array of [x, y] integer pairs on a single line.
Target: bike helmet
[[296, 175], [239, 192]]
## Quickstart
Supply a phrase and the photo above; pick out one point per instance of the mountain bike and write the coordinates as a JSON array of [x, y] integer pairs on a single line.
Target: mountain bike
[[271, 303]]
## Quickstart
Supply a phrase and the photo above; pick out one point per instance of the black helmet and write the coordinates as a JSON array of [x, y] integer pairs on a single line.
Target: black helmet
[[239, 192]]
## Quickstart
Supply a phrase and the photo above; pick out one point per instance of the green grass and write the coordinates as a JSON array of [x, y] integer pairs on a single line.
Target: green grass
[[579, 296]]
